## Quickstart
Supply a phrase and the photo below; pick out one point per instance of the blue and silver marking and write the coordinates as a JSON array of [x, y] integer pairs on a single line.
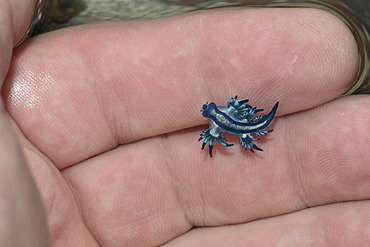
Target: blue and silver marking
[[237, 118]]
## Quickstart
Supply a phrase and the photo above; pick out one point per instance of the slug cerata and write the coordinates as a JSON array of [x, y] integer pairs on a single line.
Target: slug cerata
[[237, 118]]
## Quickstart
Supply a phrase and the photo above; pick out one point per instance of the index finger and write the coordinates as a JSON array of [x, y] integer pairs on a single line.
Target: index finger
[[116, 83]]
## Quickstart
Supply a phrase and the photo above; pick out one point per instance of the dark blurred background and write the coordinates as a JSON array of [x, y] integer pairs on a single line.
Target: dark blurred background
[[74, 12]]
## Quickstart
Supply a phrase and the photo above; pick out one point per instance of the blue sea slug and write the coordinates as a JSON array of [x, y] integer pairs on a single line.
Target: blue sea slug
[[237, 118]]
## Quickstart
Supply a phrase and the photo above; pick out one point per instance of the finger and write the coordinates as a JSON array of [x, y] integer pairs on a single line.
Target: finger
[[82, 91], [312, 158], [344, 224]]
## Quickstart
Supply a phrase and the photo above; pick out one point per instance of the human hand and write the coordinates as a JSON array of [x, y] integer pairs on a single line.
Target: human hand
[[107, 117]]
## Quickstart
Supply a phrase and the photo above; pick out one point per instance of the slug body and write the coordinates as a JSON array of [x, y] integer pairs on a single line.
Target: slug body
[[237, 118]]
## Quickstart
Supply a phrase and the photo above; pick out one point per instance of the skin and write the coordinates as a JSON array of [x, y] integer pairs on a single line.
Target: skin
[[101, 148]]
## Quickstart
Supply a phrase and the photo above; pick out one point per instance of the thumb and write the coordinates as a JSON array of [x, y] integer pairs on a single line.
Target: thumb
[[22, 219]]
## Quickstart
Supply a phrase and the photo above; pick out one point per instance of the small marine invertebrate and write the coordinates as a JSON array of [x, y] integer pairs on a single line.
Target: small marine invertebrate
[[237, 118]]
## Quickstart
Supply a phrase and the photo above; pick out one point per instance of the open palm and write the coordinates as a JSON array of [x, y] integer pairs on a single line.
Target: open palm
[[108, 118]]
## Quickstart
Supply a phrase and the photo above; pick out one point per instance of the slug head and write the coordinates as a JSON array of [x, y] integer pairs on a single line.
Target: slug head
[[207, 109]]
